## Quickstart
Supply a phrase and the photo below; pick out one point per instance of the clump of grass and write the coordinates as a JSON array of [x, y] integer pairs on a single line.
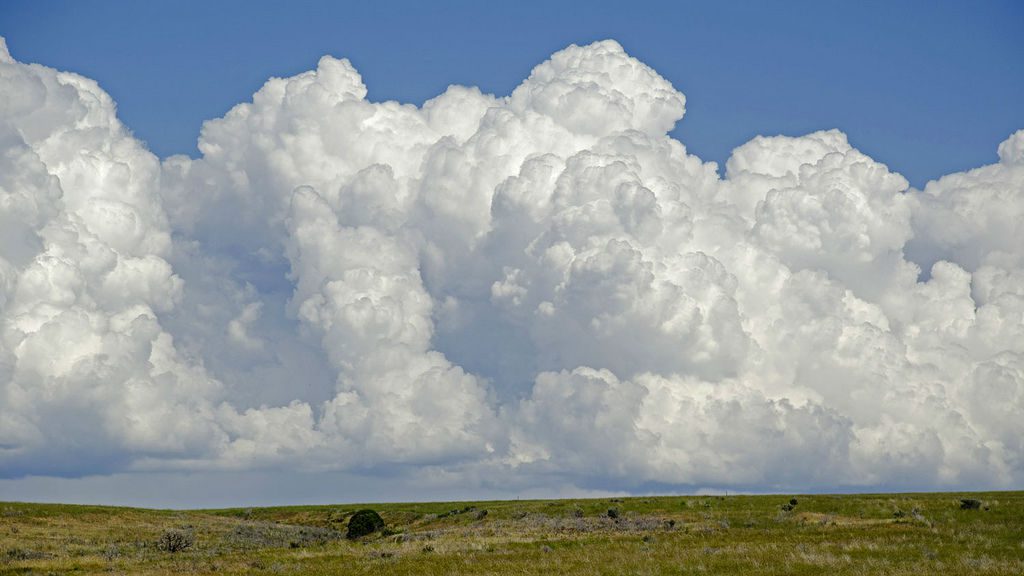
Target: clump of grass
[[25, 554], [175, 540], [456, 511], [271, 535]]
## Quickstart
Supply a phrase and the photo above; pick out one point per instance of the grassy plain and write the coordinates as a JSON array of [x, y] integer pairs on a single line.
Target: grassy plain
[[893, 534]]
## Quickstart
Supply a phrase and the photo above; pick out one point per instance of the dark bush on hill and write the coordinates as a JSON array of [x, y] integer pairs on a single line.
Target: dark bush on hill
[[970, 504], [364, 522]]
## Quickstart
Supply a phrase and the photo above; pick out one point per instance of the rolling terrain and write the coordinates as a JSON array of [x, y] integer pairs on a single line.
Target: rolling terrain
[[891, 534]]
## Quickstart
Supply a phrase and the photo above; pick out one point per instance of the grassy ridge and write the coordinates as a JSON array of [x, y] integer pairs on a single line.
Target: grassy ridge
[[849, 534]]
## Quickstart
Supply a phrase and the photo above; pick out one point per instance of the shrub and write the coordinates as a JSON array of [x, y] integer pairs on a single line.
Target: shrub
[[970, 504], [112, 552], [24, 554], [364, 522], [175, 541], [613, 513], [269, 534], [457, 511]]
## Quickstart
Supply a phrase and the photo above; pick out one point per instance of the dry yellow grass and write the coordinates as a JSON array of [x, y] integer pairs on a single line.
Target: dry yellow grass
[[859, 534]]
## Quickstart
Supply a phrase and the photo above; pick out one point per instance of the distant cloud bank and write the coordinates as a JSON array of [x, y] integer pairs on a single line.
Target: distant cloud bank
[[538, 289]]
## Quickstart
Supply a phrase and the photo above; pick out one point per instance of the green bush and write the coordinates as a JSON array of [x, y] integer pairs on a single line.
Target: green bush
[[364, 522]]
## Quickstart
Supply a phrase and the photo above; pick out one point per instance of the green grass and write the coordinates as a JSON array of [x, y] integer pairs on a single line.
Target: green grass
[[891, 534]]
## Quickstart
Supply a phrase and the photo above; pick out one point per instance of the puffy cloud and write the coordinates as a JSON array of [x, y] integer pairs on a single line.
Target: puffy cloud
[[516, 290], [361, 293], [599, 90], [239, 329], [1011, 150], [975, 216], [92, 380]]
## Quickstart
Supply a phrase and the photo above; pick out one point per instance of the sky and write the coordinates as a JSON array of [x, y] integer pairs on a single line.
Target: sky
[[256, 254]]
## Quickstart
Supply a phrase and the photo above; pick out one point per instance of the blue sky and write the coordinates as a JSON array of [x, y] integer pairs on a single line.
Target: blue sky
[[927, 87]]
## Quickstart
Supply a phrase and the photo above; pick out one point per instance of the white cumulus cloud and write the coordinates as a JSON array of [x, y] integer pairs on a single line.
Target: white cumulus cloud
[[540, 288]]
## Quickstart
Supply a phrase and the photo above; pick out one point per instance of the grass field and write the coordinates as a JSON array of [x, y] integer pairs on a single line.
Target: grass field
[[857, 534]]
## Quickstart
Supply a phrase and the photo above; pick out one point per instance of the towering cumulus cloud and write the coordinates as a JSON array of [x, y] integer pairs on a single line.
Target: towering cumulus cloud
[[537, 289]]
